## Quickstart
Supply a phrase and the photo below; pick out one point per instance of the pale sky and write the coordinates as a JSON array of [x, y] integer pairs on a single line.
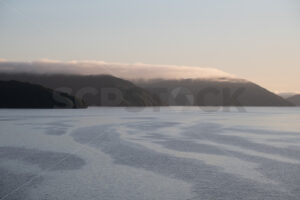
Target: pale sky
[[254, 39]]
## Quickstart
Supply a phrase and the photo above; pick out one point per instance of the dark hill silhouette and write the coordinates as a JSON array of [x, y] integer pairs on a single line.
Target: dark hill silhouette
[[16, 94], [213, 92], [294, 99], [95, 90], [106, 90]]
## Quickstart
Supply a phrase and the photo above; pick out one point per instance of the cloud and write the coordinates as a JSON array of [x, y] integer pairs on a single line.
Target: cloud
[[126, 71]]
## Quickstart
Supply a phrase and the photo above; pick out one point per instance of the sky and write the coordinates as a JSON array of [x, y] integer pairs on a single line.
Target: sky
[[258, 40]]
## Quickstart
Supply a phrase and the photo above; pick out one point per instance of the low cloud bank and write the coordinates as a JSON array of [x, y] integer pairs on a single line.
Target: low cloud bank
[[126, 71]]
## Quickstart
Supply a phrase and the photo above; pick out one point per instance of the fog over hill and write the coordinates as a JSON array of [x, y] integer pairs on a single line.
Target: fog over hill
[[121, 70], [151, 85], [286, 95]]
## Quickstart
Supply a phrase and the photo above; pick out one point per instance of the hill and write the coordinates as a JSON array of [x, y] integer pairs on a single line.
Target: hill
[[294, 99], [212, 92], [106, 90], [16, 94], [94, 90]]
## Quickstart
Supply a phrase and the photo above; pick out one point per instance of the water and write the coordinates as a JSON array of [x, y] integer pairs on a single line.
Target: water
[[154, 153]]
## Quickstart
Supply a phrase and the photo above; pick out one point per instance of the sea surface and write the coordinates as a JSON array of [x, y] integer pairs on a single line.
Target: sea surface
[[166, 153]]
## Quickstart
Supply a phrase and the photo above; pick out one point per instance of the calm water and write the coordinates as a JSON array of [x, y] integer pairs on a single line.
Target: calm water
[[173, 153]]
